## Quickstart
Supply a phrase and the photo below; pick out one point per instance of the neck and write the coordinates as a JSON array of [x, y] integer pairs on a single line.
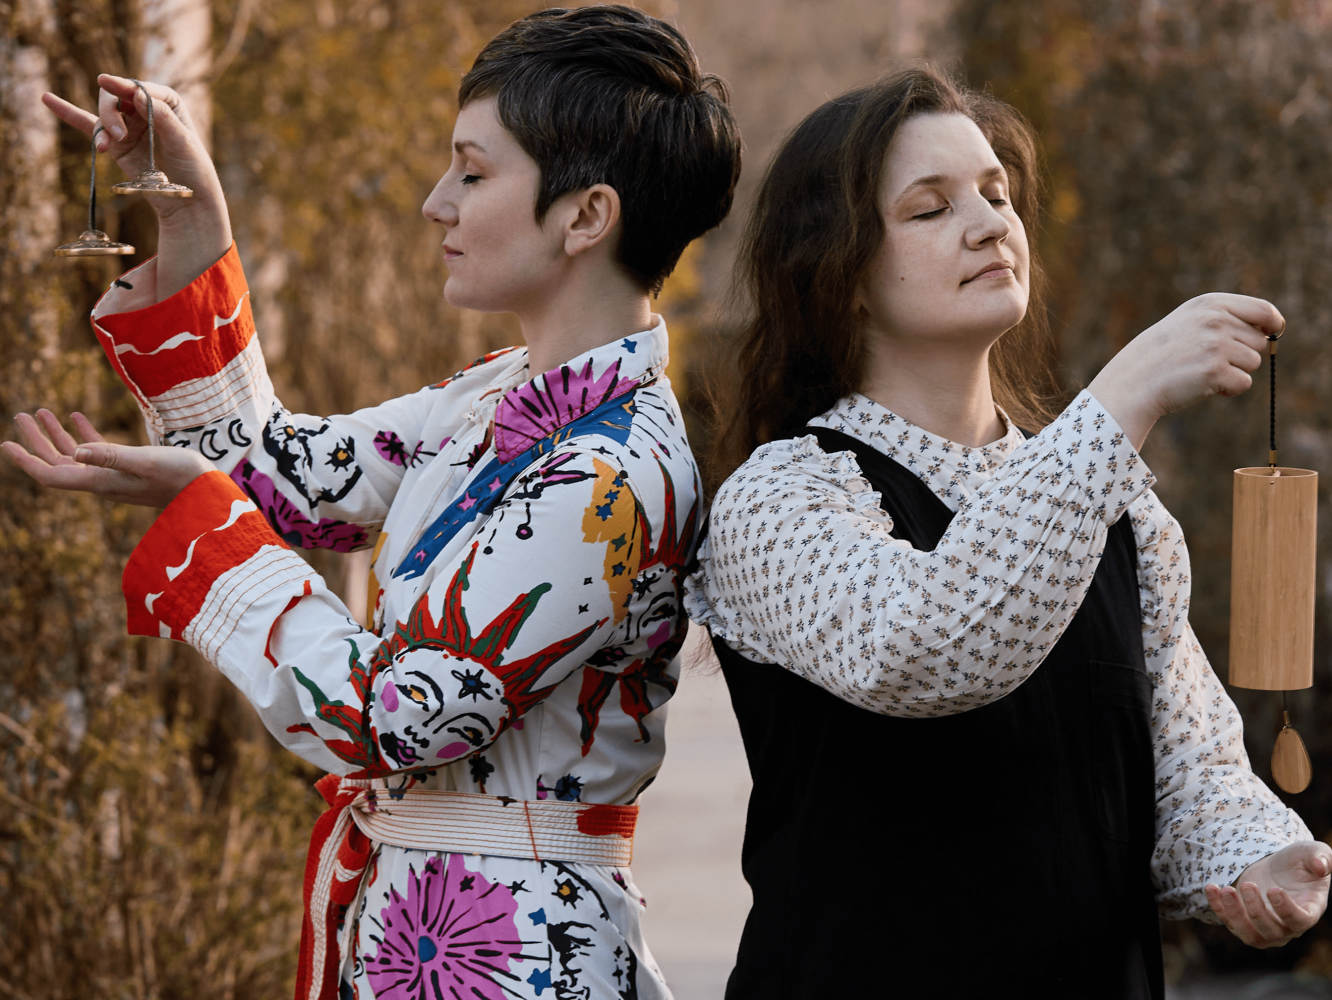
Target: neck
[[588, 307], [943, 387]]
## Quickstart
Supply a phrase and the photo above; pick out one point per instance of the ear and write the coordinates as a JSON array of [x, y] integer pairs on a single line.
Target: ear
[[593, 214], [860, 300]]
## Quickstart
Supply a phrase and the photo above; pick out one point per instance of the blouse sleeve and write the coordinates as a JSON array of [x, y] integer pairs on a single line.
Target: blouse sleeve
[[1214, 816], [550, 583], [801, 568], [195, 367]]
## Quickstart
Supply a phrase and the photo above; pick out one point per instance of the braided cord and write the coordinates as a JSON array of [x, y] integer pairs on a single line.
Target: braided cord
[[1271, 412]]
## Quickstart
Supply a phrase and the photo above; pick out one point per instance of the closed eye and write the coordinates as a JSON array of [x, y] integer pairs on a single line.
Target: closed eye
[[470, 178], [931, 215]]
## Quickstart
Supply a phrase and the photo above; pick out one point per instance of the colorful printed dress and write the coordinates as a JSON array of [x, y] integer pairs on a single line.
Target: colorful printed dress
[[529, 534]]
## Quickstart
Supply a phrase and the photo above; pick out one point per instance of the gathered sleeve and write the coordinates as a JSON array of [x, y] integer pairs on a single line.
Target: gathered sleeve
[[547, 583], [1214, 816], [194, 365], [801, 568]]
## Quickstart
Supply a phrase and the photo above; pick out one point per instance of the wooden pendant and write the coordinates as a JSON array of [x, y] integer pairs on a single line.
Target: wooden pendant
[[1290, 761], [1273, 579]]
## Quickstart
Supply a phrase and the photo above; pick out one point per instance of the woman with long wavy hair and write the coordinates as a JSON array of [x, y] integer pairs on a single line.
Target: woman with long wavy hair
[[986, 747]]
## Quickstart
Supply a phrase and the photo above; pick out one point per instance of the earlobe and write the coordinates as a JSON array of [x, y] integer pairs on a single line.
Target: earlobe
[[596, 217]]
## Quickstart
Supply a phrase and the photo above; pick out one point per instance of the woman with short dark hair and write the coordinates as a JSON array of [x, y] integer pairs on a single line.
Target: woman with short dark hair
[[986, 747]]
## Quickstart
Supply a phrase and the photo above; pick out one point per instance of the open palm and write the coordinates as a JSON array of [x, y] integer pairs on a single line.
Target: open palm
[[1278, 898]]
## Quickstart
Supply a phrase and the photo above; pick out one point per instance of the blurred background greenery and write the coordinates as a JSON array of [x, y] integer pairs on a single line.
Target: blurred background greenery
[[151, 837]]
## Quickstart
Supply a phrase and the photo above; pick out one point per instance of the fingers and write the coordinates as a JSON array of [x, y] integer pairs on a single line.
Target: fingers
[[1268, 925], [85, 428], [1290, 913], [70, 114], [1226, 904], [1247, 916], [1257, 313], [169, 113], [58, 435], [35, 437], [69, 476], [112, 118]]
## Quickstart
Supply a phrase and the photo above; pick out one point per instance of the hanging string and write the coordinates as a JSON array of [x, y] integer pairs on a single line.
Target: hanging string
[[92, 184], [152, 142], [1271, 416]]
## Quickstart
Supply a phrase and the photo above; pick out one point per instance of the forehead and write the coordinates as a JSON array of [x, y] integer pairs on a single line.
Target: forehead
[[944, 145], [478, 125]]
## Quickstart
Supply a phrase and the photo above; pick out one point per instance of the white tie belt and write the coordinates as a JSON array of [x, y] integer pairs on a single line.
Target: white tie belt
[[466, 823]]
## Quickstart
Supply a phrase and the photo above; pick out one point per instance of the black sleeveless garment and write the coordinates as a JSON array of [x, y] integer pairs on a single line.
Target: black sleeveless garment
[[1001, 852]]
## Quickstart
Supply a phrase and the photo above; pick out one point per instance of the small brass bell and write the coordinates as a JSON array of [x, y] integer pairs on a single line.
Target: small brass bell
[[152, 181], [93, 242]]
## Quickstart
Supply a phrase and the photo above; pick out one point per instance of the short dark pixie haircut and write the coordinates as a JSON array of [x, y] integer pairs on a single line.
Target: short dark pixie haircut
[[609, 95]]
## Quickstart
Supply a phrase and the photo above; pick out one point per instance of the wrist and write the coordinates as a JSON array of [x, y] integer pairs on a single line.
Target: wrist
[[1135, 417]]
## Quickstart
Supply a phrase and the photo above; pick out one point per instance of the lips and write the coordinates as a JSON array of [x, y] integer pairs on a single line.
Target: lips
[[450, 253], [994, 269]]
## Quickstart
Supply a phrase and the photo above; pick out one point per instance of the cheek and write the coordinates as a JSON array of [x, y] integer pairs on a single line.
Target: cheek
[[907, 273]]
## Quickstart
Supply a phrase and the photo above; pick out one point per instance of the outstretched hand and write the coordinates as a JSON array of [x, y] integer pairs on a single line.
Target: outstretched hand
[[1278, 898], [149, 476]]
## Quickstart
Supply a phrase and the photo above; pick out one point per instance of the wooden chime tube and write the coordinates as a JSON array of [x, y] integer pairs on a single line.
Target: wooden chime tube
[[1273, 573]]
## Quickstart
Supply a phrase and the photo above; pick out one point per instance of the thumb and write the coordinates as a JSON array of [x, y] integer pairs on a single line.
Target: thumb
[[105, 455]]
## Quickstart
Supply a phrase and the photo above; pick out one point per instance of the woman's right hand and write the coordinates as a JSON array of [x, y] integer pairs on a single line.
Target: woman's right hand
[[194, 232], [1206, 347]]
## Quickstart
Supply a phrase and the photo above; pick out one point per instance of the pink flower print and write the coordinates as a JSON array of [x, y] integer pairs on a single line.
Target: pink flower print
[[536, 409], [452, 936]]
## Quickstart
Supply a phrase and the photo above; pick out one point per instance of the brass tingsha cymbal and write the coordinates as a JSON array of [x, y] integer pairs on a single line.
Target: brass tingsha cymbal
[[93, 243], [155, 183]]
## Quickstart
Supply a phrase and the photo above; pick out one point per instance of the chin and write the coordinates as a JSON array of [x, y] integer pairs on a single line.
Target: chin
[[462, 296]]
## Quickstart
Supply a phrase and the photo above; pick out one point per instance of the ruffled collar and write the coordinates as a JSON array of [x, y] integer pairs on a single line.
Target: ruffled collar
[[952, 471], [532, 408]]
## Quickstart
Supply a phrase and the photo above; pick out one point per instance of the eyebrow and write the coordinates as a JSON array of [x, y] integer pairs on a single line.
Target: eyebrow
[[462, 146], [996, 171]]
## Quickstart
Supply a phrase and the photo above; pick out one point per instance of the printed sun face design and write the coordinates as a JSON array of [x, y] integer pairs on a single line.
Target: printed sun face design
[[453, 935]]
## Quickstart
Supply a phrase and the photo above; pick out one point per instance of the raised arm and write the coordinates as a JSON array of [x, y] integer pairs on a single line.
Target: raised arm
[[196, 369], [802, 568]]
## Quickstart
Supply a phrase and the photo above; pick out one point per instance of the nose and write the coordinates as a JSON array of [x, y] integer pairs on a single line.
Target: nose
[[987, 224], [439, 207]]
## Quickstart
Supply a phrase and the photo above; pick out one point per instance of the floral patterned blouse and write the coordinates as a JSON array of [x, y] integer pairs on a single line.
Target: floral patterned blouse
[[530, 534], [801, 569]]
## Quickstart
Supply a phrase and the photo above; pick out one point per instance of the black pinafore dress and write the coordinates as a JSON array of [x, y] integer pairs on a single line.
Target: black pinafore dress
[[1001, 852]]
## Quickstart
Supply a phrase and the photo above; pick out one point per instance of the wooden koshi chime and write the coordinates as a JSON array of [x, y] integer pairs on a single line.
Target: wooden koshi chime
[[1273, 574]]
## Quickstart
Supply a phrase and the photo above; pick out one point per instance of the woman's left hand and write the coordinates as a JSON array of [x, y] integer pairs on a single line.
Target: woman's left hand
[[1278, 898], [149, 476]]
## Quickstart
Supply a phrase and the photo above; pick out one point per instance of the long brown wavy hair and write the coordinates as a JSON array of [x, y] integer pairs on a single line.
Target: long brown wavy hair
[[814, 230]]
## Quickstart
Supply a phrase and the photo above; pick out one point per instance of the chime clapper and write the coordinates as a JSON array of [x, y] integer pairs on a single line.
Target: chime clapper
[[1273, 583], [95, 243]]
